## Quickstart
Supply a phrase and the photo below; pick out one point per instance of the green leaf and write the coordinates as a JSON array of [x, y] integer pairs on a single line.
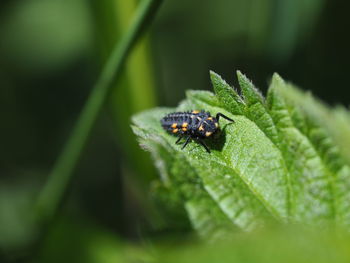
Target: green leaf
[[256, 109], [324, 130], [278, 161], [283, 245], [310, 190], [249, 92], [228, 97]]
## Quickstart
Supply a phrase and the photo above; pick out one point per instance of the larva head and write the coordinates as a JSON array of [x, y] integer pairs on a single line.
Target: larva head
[[208, 127]]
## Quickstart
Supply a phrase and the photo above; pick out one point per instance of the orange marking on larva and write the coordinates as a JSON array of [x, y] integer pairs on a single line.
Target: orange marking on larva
[[195, 111], [184, 125], [175, 130], [210, 118], [201, 128], [216, 124], [174, 125], [184, 129], [208, 134]]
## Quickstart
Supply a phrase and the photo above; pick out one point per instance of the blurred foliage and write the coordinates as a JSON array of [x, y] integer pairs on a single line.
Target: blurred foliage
[[86, 243], [51, 52], [293, 244], [17, 226], [278, 245], [48, 34], [257, 36]]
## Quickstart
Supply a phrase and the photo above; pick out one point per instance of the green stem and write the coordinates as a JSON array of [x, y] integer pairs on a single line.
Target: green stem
[[59, 178]]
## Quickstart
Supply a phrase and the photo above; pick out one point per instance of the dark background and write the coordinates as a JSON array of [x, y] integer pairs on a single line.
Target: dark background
[[51, 53]]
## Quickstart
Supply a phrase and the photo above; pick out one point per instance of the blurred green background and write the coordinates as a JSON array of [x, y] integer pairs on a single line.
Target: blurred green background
[[51, 54]]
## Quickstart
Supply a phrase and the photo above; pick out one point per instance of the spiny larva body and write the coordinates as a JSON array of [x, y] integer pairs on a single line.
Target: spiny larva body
[[196, 125]]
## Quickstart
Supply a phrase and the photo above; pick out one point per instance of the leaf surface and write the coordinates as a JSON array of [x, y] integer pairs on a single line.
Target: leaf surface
[[277, 161]]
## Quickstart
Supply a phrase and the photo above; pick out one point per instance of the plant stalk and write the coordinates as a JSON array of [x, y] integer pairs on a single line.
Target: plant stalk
[[58, 180]]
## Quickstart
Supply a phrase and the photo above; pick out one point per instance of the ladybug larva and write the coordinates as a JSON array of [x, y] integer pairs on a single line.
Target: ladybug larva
[[195, 125]]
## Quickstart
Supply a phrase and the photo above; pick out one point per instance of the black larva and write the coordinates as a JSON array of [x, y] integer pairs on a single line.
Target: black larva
[[195, 125]]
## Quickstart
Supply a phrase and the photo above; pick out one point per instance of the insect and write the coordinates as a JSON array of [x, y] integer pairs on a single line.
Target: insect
[[196, 125]]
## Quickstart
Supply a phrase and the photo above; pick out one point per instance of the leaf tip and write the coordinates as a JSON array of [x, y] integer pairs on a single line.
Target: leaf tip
[[276, 78], [214, 77], [250, 93], [244, 82], [240, 75]]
